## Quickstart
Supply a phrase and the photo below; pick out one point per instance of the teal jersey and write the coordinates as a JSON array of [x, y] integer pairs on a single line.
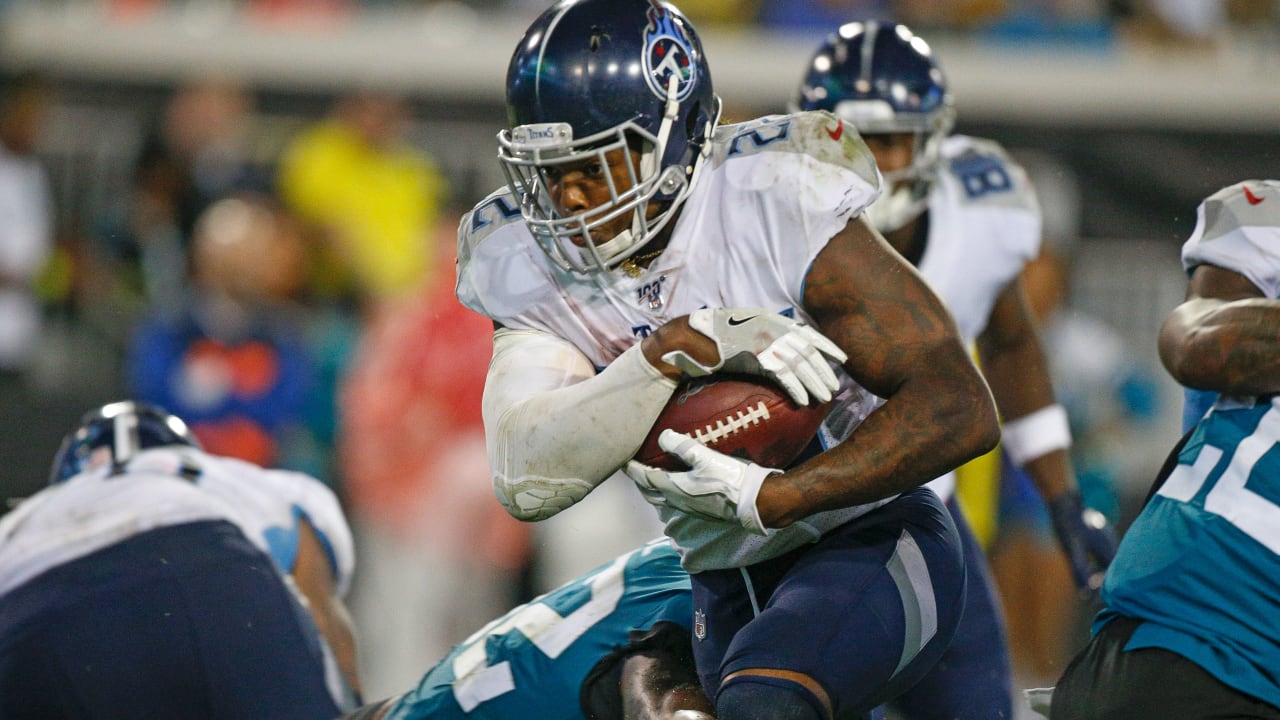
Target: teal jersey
[[531, 662], [1201, 564]]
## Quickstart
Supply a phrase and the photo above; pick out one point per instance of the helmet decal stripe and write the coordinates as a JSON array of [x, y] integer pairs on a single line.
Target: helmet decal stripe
[[542, 47], [126, 436], [868, 52]]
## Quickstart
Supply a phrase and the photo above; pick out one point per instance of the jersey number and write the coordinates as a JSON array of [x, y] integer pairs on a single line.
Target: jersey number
[[981, 174], [759, 139], [1256, 514], [548, 630]]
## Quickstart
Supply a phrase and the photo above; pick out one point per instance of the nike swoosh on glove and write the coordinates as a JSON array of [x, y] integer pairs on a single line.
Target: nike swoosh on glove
[[1085, 536], [718, 486], [759, 342]]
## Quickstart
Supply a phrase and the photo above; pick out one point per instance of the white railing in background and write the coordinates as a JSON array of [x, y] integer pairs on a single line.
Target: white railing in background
[[449, 52]]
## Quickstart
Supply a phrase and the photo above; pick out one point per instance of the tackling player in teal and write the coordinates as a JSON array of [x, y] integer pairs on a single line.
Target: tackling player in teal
[[612, 644], [1189, 629]]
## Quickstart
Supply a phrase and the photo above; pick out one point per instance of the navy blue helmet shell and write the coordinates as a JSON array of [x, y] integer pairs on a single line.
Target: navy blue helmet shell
[[597, 64], [116, 432], [880, 76], [593, 78]]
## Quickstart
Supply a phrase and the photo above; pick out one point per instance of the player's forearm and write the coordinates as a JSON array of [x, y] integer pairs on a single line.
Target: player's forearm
[[339, 631], [1051, 473], [1227, 347], [549, 449], [1018, 375], [940, 418]]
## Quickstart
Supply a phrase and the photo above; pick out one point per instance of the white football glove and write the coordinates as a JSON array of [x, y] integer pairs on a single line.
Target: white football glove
[[759, 342], [718, 486]]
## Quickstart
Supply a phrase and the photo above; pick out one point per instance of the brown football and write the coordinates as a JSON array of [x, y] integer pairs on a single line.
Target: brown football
[[740, 415]]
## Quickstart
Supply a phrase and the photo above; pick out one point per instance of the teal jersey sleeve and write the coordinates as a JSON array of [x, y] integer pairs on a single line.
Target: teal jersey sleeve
[[531, 662]]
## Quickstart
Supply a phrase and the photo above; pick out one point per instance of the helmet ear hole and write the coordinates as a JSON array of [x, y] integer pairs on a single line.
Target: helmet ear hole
[[692, 121]]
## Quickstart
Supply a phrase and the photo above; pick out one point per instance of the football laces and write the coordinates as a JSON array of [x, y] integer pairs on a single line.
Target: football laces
[[724, 427]]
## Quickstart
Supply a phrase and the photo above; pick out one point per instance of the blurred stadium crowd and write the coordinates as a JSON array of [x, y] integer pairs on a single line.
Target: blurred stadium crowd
[[278, 270], [1169, 19]]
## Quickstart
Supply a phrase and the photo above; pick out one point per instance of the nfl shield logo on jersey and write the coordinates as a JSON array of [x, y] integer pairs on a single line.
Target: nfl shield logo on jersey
[[699, 624]]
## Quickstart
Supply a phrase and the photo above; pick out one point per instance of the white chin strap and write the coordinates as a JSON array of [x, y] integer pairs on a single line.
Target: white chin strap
[[620, 243]]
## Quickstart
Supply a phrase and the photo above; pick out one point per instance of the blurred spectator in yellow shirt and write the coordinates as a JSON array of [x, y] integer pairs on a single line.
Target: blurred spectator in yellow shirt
[[371, 197]]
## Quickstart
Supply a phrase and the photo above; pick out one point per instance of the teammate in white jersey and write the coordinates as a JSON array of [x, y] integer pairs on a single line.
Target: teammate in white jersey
[[656, 246], [963, 212], [138, 524], [1189, 630]]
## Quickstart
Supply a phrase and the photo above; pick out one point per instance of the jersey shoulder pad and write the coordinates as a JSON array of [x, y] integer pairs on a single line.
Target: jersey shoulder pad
[[496, 253], [1242, 205], [816, 133], [1238, 228], [986, 174], [496, 211]]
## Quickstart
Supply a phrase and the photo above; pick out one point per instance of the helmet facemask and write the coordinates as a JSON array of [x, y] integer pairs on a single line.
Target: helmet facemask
[[906, 190]]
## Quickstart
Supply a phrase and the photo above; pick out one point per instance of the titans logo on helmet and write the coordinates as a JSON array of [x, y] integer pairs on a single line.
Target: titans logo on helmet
[[667, 52]]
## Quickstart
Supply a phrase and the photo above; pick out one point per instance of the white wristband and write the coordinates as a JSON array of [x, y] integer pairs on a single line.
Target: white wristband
[[1036, 434]]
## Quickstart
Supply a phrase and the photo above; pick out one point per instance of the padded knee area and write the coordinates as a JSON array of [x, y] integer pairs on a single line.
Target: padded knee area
[[754, 697]]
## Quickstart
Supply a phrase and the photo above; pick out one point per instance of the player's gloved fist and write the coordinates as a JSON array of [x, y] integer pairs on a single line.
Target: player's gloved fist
[[1090, 544], [759, 342], [718, 486]]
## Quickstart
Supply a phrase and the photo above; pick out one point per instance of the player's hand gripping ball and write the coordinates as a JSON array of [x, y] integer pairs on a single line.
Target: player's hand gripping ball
[[740, 415]]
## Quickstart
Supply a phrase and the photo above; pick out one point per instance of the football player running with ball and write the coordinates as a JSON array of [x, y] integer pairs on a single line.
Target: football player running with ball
[[639, 244], [1188, 630], [963, 212]]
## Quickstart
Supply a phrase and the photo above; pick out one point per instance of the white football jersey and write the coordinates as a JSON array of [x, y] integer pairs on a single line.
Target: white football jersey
[[1238, 228], [771, 196], [984, 226], [170, 486]]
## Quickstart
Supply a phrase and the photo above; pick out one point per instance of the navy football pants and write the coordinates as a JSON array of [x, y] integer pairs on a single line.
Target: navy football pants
[[867, 610], [190, 621], [972, 680]]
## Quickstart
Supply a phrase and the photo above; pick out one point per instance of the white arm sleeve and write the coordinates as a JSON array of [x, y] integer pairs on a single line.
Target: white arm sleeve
[[554, 429]]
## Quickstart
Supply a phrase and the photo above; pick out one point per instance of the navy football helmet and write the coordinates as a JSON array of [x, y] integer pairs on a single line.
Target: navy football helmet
[[882, 78], [594, 76], [114, 433]]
